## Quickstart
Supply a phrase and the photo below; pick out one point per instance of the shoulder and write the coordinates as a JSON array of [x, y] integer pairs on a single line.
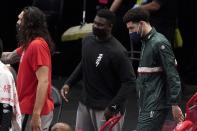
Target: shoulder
[[161, 44], [38, 42], [5, 74], [117, 46], [159, 39], [118, 50], [89, 36]]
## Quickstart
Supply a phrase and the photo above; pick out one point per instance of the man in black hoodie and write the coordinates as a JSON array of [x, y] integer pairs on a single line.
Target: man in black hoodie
[[107, 74]]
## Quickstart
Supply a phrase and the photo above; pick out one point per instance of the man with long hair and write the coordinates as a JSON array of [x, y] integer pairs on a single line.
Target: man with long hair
[[34, 73]]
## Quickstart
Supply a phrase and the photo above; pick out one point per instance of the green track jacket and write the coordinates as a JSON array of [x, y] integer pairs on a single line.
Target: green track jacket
[[158, 82]]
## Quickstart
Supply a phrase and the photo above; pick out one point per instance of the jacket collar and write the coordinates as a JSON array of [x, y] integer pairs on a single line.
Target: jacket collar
[[149, 35]]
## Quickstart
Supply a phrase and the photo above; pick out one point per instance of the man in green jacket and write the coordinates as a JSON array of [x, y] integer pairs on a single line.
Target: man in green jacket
[[158, 82]]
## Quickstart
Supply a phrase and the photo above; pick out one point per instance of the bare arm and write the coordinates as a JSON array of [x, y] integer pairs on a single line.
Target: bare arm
[[10, 57], [42, 87], [115, 5], [152, 6]]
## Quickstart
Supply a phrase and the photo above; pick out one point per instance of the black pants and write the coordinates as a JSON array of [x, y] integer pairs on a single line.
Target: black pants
[[5, 117], [151, 121]]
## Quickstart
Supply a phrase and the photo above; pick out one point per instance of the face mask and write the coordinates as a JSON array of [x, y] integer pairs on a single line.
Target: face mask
[[100, 33], [135, 37]]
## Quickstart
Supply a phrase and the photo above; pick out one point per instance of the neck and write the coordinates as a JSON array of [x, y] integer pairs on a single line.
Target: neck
[[147, 29], [103, 38]]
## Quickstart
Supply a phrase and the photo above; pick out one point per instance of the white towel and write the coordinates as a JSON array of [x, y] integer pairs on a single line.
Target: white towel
[[8, 95]]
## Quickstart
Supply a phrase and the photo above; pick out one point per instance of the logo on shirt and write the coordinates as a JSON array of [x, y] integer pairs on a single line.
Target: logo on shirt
[[114, 107], [98, 60], [163, 47]]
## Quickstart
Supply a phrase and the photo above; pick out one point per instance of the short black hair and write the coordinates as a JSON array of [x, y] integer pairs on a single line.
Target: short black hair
[[1, 47], [107, 14], [136, 15]]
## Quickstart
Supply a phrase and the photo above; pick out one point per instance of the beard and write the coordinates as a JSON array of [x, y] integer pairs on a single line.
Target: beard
[[20, 34]]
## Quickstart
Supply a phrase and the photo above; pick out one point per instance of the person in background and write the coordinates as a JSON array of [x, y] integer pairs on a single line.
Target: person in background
[[119, 7], [60, 126], [163, 16], [10, 114], [158, 82], [107, 75], [34, 73]]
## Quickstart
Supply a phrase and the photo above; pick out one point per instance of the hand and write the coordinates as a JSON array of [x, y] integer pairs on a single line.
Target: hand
[[35, 123], [64, 92], [108, 114], [112, 111], [177, 113]]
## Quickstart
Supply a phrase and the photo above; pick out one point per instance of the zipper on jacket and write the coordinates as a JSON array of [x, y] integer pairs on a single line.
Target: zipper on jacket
[[142, 52]]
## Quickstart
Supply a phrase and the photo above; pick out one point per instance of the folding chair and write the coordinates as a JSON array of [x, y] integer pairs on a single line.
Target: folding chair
[[57, 104], [108, 125], [190, 123], [134, 55]]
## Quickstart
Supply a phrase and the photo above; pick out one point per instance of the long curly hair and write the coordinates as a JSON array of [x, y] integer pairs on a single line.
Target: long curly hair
[[33, 25]]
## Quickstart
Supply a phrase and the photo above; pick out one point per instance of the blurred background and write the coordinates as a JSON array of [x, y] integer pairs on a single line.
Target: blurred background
[[64, 14]]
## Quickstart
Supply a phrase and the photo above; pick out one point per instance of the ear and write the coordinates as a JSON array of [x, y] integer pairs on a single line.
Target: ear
[[110, 26], [142, 23]]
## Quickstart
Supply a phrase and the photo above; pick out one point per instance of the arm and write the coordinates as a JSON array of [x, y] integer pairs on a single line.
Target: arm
[[10, 57], [74, 77], [152, 6], [173, 81], [124, 70], [41, 93], [115, 5]]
